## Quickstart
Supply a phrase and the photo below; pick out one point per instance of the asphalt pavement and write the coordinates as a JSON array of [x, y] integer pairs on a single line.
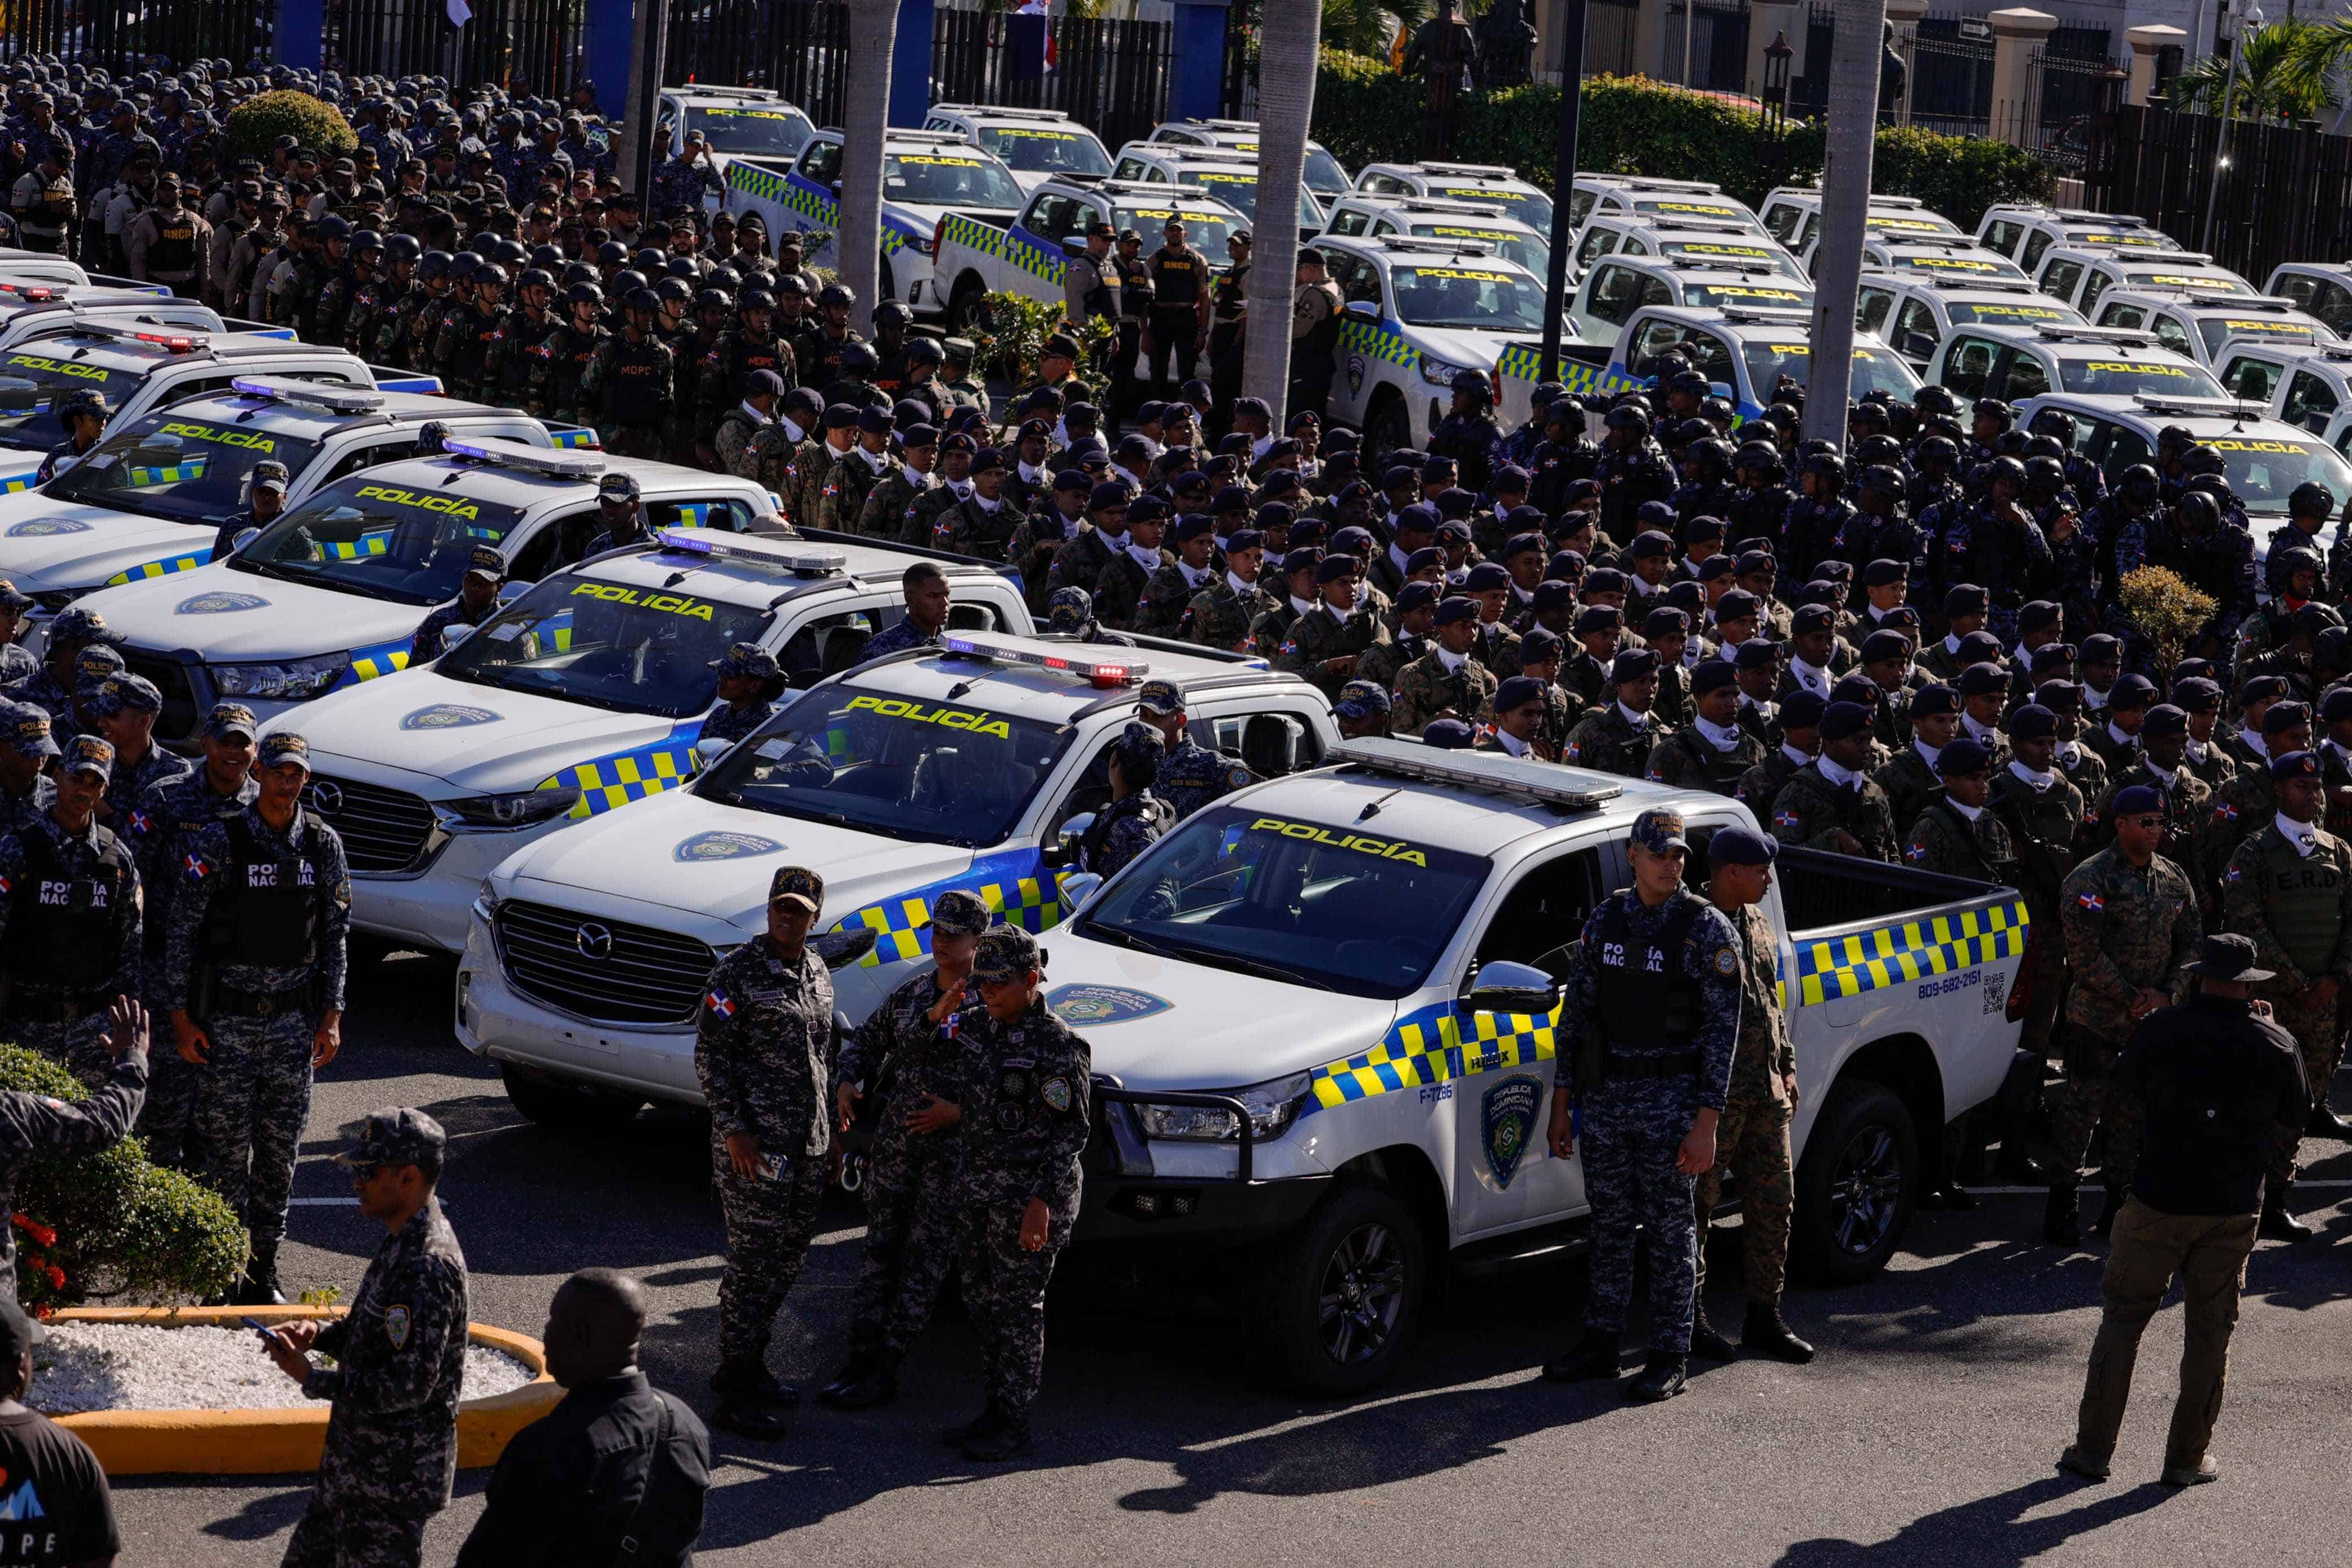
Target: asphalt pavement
[[1923, 1435]]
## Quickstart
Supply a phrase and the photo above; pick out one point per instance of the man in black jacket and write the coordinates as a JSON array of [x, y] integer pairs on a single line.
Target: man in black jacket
[[617, 1458]]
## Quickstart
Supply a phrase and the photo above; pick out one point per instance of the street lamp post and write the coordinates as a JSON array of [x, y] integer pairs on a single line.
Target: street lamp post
[[1777, 56], [1563, 186]]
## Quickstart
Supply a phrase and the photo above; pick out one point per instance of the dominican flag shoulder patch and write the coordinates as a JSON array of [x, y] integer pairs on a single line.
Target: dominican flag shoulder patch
[[718, 1002], [2092, 902], [197, 867]]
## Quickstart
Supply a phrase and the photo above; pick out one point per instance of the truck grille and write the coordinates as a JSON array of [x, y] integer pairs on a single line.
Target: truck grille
[[177, 722], [383, 830], [603, 970]]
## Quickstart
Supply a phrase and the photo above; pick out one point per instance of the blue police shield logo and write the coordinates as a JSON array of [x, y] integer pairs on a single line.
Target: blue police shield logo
[[1355, 375], [219, 603], [46, 528], [1506, 1120], [448, 715], [723, 846], [1083, 1006]]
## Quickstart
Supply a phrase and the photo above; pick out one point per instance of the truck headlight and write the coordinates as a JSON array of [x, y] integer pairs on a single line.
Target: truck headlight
[[486, 899], [1272, 1108], [291, 680], [1438, 373], [495, 812], [56, 600]]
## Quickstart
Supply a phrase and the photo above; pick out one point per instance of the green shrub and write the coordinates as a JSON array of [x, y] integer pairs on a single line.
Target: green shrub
[[1366, 113], [107, 1225], [254, 125]]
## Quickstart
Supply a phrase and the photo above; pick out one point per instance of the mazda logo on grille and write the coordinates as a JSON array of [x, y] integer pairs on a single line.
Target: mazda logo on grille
[[327, 796], [594, 941]]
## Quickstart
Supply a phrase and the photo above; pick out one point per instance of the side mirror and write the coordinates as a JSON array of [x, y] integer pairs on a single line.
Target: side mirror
[[1061, 848], [1719, 389], [1508, 988], [244, 537], [457, 634], [707, 752], [1363, 310], [1076, 889]]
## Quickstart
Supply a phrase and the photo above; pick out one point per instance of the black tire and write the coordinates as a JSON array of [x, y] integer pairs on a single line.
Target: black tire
[[1344, 1293], [967, 310], [562, 1106], [1388, 427], [1855, 1184]]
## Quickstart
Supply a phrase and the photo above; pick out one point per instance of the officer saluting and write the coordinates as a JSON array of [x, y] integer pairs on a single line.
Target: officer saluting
[[1656, 992], [911, 1053], [1027, 1107], [763, 1049], [253, 975], [70, 919]]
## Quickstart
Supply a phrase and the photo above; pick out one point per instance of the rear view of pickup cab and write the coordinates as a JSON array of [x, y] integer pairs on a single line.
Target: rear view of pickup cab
[[1323, 1013]]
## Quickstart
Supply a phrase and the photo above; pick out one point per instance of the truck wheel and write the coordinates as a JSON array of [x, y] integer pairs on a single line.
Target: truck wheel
[[1388, 428], [562, 1106], [1344, 1293], [889, 283], [966, 310], [1855, 1184]]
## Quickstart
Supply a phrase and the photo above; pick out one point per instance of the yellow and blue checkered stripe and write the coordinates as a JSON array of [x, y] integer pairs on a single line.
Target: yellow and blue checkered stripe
[[1382, 343], [17, 484], [1908, 951], [191, 467], [817, 206], [167, 567], [1016, 886], [1427, 1047], [580, 440], [604, 782], [1005, 246], [371, 664], [372, 543]]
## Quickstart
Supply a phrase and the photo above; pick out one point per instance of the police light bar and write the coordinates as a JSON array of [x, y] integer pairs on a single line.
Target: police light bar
[[1429, 245], [2062, 332], [1100, 672], [805, 560], [1497, 170], [2269, 304], [532, 459], [1546, 783], [2219, 407], [36, 291], [1993, 284], [327, 395], [179, 343], [1764, 315]]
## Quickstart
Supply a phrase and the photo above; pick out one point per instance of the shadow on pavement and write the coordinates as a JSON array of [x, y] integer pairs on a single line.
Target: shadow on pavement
[[1986, 1533]]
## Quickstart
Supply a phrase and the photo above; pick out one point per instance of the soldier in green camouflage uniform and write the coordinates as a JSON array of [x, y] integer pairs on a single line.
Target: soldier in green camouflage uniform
[[1710, 752], [1956, 836], [2044, 814], [983, 522], [1667, 630], [810, 468], [1540, 652], [1830, 803], [1171, 590], [1325, 642], [2289, 887], [1290, 595], [1910, 779], [884, 512], [1221, 615], [856, 472], [737, 437], [953, 488], [2244, 806], [1444, 681], [1752, 1136], [1416, 615], [2188, 801], [2130, 921], [1620, 738]]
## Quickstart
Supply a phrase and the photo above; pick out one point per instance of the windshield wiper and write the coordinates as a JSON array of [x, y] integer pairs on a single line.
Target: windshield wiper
[[1127, 939], [1258, 966]]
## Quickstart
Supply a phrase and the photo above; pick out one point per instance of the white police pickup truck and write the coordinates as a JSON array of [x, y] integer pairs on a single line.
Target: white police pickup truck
[[46, 266], [928, 177], [735, 123], [1036, 144], [1418, 312], [586, 693], [331, 593], [956, 767], [29, 311], [978, 256], [148, 500], [1286, 1060]]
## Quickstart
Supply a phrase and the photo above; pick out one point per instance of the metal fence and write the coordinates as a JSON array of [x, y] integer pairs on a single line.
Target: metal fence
[[800, 51], [1613, 39], [524, 46], [120, 38], [1950, 75], [1809, 95], [1717, 44], [2069, 102], [2164, 162], [1112, 75]]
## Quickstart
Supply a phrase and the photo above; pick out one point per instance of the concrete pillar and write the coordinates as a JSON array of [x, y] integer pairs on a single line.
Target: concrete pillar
[[910, 65], [1196, 81], [1650, 43], [2146, 44], [610, 36], [1765, 18], [301, 32], [1906, 15], [2016, 34]]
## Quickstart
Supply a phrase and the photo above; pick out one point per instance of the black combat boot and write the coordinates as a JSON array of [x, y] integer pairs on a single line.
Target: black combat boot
[[2278, 1224], [1766, 1331], [868, 1380], [983, 1425], [1661, 1378], [1593, 1353], [1006, 1436], [2327, 1123], [1707, 1341], [259, 1286], [746, 1406], [2062, 1217], [2105, 1223]]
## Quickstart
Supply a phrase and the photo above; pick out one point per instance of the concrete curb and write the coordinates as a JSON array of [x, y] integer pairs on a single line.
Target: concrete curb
[[282, 1441]]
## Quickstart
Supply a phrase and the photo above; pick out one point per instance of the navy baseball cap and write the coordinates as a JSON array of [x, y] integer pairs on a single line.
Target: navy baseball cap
[[1741, 846]]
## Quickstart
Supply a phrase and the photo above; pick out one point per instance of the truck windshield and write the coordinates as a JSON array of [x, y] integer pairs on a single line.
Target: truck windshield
[[33, 385], [2007, 313], [1530, 206], [608, 644], [2218, 329], [1468, 296], [2264, 472], [947, 180], [1736, 250], [1944, 264], [1045, 149], [2121, 377], [859, 756], [1238, 188], [1770, 296], [1510, 243], [776, 132], [1874, 370], [1204, 230], [361, 536], [2188, 282], [1241, 890], [185, 470]]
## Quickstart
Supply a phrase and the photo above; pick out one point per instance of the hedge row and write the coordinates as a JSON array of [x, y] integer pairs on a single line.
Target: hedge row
[[1366, 113]]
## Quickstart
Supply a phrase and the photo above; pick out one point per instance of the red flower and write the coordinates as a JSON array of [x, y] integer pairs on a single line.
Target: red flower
[[36, 1230], [56, 1278]]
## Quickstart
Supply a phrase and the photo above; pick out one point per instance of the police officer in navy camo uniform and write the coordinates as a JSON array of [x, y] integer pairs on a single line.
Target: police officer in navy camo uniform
[[1027, 1102], [161, 829], [253, 975], [1191, 775], [26, 749], [477, 602], [18, 664], [748, 674], [911, 1053], [764, 1048], [124, 713], [1136, 817], [1656, 991], [70, 920], [70, 630]]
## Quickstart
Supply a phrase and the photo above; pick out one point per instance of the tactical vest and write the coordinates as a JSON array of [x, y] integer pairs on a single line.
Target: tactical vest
[[267, 908], [174, 253], [1231, 294], [1134, 286], [2303, 901], [1175, 277], [1142, 803], [1647, 1004], [1324, 336], [60, 924], [1724, 769]]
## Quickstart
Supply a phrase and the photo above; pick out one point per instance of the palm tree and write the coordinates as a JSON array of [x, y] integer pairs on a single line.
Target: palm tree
[[1285, 104], [1370, 27], [873, 34], [2282, 71]]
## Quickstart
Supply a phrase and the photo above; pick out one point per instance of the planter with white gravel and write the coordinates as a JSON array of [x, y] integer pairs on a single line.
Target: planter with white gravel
[[256, 1421]]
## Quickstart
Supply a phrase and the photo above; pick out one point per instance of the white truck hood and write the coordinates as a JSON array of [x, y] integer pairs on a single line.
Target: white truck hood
[[49, 546], [1471, 350], [683, 852], [1161, 1023], [478, 739], [229, 616]]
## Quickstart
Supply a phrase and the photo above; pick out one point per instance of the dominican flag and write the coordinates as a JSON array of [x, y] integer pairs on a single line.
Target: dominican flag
[[140, 822], [2092, 902], [716, 1000], [198, 867], [458, 12]]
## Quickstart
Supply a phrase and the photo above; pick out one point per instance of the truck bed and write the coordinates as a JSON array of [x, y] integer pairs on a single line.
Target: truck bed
[[1858, 925]]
